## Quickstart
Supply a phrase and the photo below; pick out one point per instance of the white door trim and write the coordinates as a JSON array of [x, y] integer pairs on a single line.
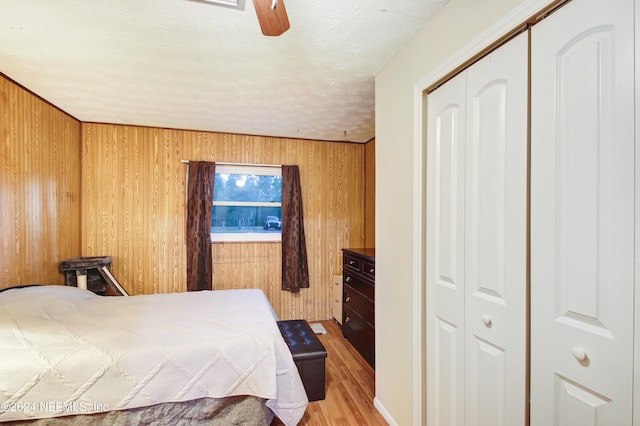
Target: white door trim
[[636, 369]]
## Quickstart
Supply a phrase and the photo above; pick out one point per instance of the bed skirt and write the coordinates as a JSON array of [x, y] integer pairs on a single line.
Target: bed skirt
[[235, 410]]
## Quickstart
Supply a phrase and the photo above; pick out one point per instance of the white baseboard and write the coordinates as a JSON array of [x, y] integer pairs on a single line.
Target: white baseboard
[[384, 412]]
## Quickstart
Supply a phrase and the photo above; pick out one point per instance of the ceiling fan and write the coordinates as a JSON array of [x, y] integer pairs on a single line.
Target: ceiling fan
[[272, 15]]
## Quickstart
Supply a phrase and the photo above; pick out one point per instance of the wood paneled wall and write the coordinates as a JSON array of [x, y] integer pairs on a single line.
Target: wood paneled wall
[[122, 188], [39, 188], [370, 194], [133, 207]]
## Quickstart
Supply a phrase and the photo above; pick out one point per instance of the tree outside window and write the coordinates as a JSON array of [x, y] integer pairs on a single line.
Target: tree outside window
[[247, 203]]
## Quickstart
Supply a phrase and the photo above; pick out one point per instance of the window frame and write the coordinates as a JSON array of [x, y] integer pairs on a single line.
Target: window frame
[[247, 169]]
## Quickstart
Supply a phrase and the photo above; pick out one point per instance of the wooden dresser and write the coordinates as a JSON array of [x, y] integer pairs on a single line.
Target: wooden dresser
[[358, 301]]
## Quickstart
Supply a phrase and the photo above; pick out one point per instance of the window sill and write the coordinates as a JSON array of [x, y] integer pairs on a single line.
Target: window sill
[[274, 237]]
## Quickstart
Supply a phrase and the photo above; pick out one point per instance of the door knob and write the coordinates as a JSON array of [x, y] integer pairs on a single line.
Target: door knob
[[579, 354], [486, 319]]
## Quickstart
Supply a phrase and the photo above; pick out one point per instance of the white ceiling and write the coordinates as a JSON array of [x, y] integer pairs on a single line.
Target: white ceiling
[[189, 65]]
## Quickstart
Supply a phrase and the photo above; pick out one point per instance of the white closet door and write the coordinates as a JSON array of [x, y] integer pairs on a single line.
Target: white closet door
[[496, 237], [445, 253], [582, 215], [476, 243]]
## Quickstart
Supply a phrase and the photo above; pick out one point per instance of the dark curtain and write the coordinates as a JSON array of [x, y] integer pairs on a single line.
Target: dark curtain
[[295, 270], [201, 178]]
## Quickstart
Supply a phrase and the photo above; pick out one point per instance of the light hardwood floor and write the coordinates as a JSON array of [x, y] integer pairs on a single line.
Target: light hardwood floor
[[350, 383]]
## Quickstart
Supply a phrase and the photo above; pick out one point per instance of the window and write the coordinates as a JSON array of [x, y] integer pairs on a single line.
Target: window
[[247, 203]]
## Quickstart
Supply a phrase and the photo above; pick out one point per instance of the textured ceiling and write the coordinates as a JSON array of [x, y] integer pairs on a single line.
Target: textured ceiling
[[190, 65]]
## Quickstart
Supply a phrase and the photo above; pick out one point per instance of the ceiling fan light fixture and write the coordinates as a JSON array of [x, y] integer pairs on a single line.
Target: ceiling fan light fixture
[[234, 4]]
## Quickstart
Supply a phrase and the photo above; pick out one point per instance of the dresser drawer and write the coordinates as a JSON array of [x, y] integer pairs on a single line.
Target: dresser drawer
[[360, 304], [351, 261], [368, 268], [358, 284], [360, 333]]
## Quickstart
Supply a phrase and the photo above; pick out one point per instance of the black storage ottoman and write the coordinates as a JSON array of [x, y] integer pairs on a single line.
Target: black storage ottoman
[[309, 355]]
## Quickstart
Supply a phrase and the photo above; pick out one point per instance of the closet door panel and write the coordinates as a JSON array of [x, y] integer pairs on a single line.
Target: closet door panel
[[476, 243], [496, 236], [582, 217], [445, 264]]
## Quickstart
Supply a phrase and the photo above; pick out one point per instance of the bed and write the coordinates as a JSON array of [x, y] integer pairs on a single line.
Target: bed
[[209, 357]]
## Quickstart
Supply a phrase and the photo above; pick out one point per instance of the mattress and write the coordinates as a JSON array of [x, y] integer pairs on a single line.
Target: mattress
[[66, 351]]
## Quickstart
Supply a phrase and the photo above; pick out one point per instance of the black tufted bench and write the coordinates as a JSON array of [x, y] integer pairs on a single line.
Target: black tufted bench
[[308, 354]]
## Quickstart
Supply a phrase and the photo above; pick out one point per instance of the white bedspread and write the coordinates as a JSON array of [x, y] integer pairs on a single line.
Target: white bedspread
[[67, 351]]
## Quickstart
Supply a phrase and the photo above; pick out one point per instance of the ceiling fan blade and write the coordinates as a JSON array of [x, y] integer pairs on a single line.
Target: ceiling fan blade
[[273, 22]]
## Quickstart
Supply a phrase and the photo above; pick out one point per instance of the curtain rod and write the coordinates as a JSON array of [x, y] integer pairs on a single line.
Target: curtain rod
[[239, 164]]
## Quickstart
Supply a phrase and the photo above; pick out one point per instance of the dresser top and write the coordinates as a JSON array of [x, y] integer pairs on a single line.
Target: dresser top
[[367, 253]]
